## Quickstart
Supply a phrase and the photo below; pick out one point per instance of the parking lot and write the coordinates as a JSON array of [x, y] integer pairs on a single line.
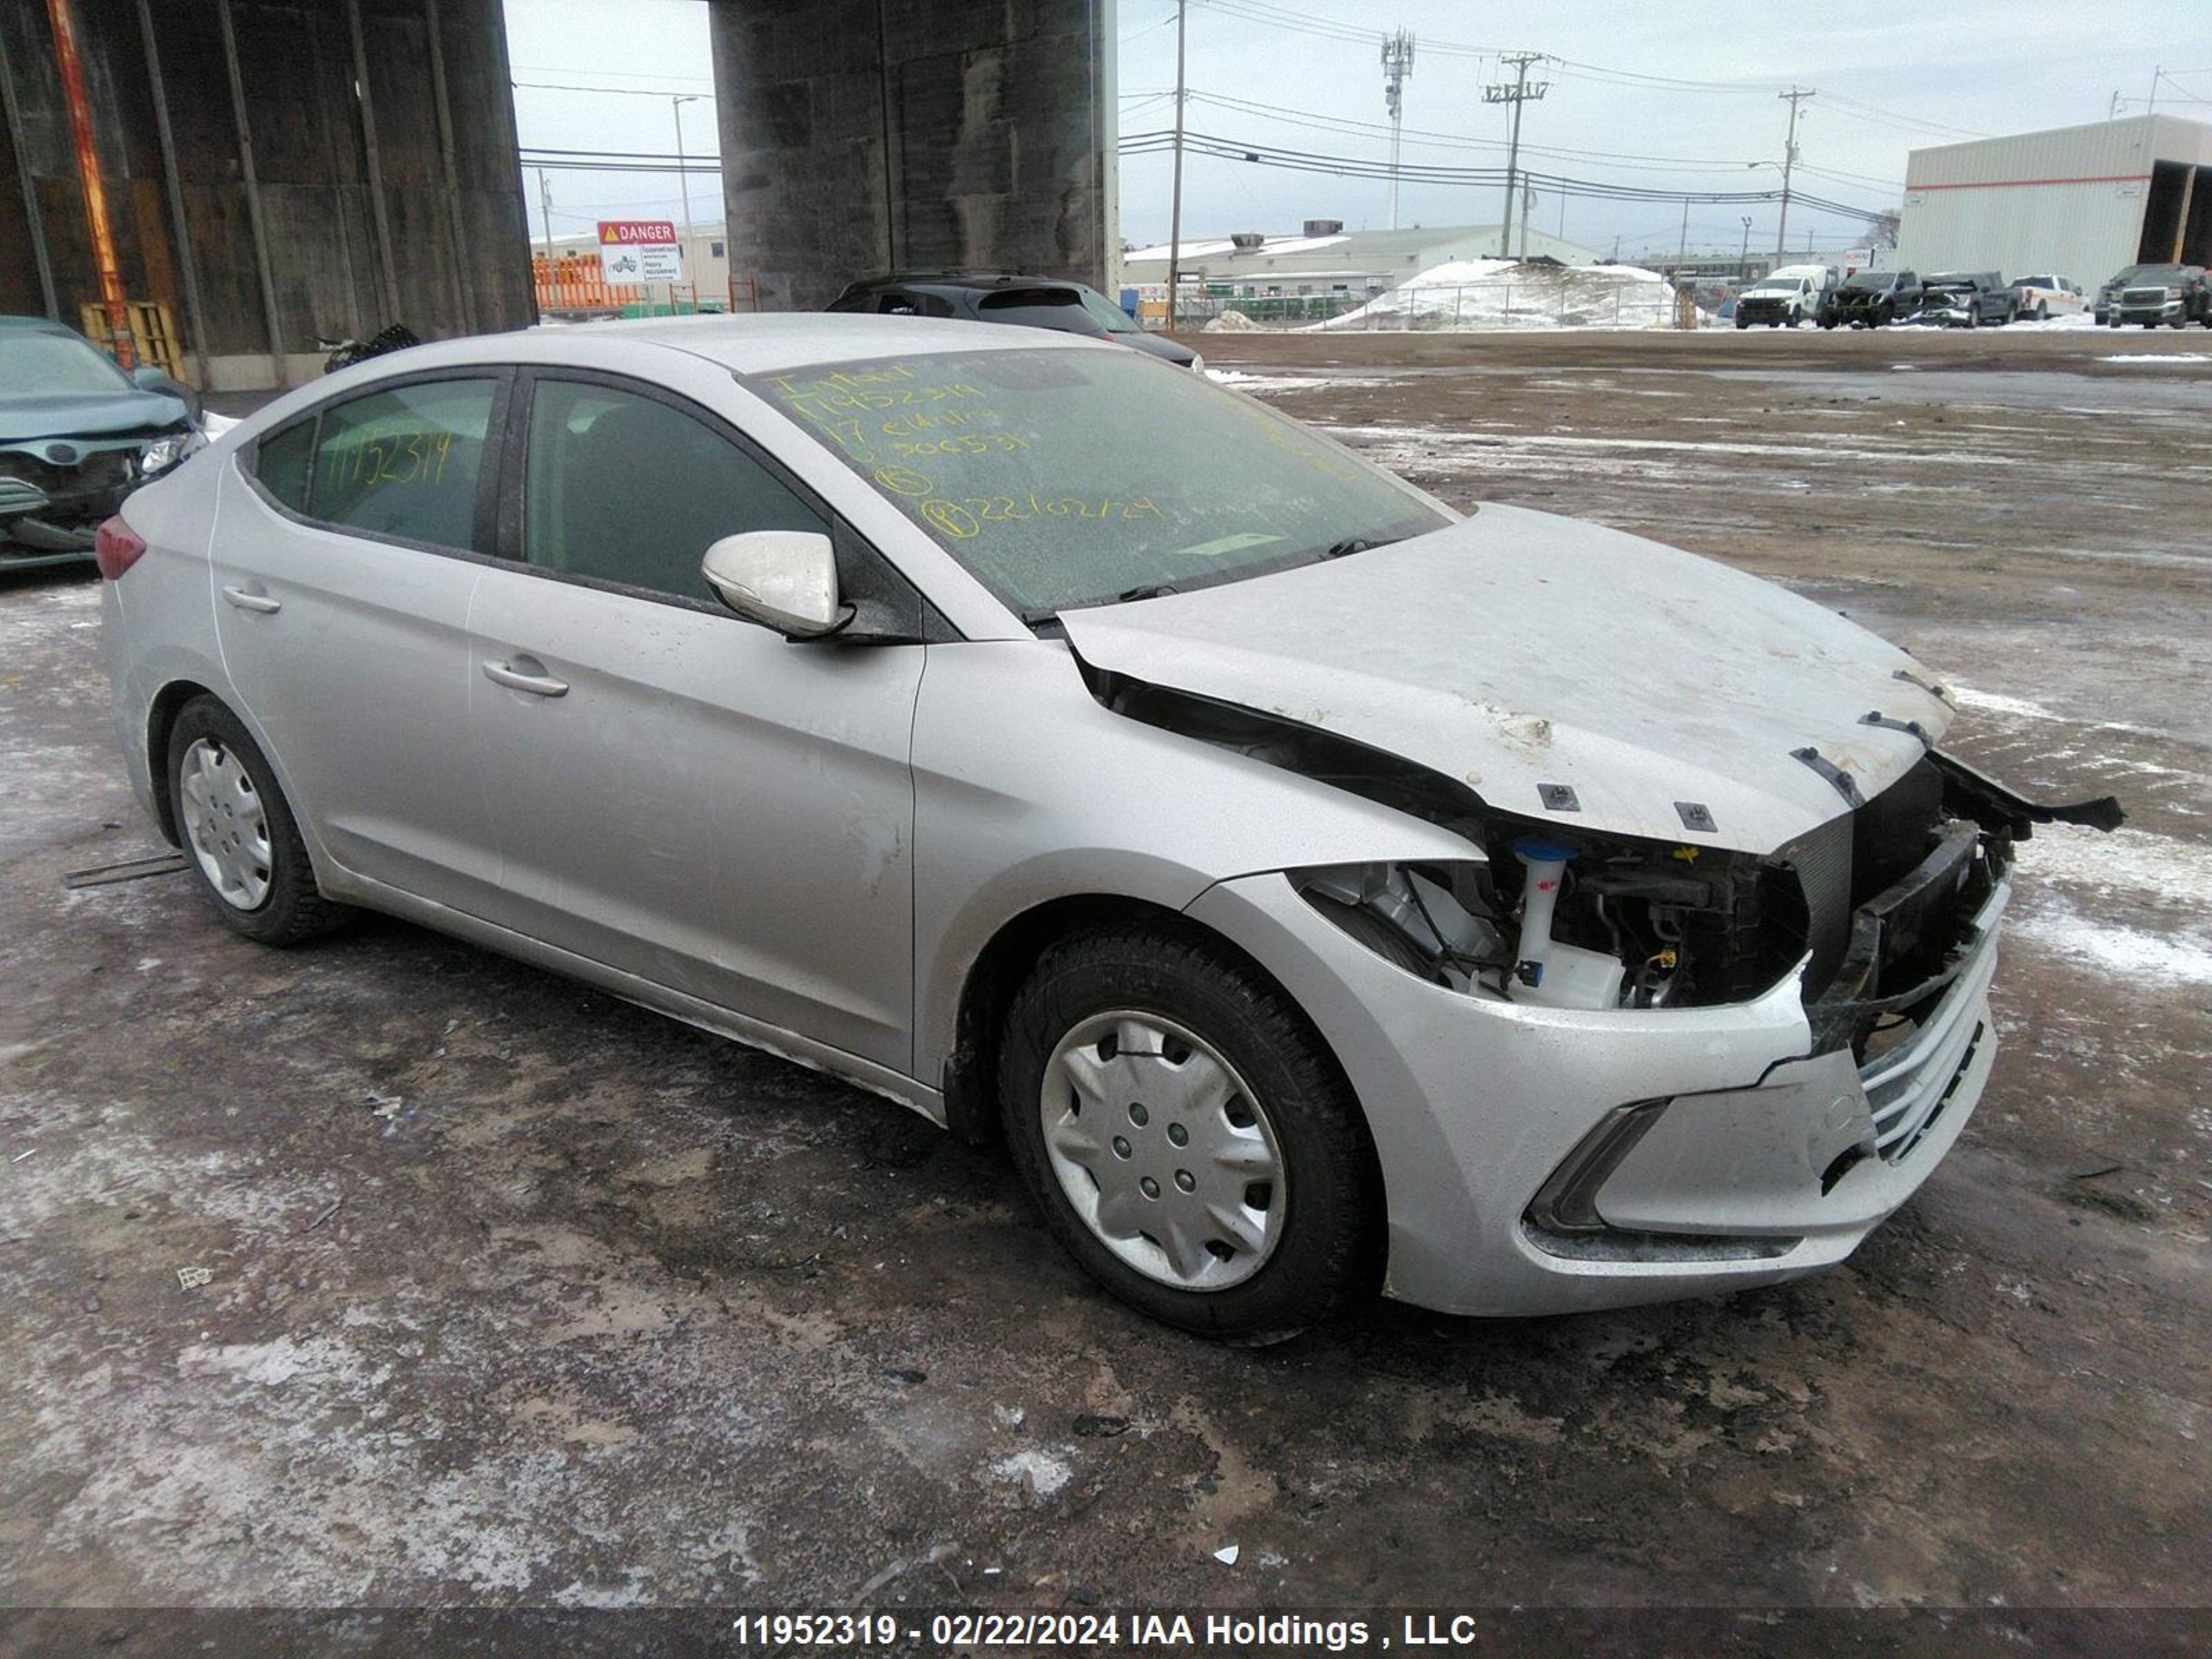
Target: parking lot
[[515, 1294]]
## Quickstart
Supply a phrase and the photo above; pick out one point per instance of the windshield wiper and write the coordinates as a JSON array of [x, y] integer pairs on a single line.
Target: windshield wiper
[[1355, 545], [1144, 591]]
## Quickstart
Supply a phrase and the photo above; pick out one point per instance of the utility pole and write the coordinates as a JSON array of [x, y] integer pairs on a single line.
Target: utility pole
[[1175, 204], [1397, 70], [2157, 75], [1517, 95], [1528, 201], [545, 217], [1797, 95], [1743, 254], [1682, 253], [676, 104]]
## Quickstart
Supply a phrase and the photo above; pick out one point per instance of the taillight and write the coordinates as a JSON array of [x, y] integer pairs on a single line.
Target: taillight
[[116, 548]]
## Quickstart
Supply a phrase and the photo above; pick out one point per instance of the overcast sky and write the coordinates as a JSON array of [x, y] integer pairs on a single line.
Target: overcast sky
[[1889, 78]]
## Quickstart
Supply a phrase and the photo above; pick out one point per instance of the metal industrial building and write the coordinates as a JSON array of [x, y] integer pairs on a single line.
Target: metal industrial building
[[1325, 258], [2083, 202]]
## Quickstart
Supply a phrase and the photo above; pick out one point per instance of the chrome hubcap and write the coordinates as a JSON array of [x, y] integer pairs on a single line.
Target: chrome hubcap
[[224, 823], [1165, 1154]]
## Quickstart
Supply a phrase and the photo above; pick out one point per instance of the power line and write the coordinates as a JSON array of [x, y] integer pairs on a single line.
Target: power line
[[631, 92], [1426, 139], [1215, 146]]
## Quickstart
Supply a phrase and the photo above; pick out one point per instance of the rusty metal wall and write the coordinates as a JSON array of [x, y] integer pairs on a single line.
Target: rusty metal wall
[[441, 245]]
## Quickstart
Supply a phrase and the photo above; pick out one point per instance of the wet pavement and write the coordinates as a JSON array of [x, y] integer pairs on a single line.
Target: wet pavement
[[388, 1272]]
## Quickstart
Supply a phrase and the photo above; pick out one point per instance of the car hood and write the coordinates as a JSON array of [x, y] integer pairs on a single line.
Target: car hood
[[86, 415], [1516, 651]]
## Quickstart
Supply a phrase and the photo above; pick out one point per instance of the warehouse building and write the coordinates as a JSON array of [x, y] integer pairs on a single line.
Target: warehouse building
[[1327, 258], [2083, 202]]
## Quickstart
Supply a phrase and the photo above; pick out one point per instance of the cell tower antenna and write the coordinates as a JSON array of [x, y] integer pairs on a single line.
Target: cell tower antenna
[[1397, 70]]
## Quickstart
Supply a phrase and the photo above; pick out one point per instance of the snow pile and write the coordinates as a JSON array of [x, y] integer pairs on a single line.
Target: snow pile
[[1231, 322], [1500, 294]]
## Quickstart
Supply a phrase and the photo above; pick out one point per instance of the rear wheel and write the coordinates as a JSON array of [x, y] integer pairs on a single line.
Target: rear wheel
[[1188, 1137], [241, 841], [2043, 311]]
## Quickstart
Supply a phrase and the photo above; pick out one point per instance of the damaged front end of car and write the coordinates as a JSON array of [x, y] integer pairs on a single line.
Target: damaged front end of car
[[1875, 912]]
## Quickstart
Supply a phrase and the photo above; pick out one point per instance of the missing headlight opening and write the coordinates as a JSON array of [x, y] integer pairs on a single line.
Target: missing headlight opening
[[1875, 909]]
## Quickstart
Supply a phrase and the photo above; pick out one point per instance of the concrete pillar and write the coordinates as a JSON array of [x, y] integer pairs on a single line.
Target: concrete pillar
[[860, 136]]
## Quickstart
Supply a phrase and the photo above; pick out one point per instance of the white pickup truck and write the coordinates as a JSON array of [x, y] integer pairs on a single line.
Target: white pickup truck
[[2038, 299]]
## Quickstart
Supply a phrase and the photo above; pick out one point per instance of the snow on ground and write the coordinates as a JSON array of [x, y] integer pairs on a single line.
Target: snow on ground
[[2159, 357], [1238, 379], [1466, 294]]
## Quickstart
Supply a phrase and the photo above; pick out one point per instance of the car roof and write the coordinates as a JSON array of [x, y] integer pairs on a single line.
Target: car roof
[[763, 343], [968, 279], [769, 342], [37, 326]]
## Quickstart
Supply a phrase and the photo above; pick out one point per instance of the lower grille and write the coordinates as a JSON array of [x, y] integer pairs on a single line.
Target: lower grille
[[1908, 1106], [103, 469]]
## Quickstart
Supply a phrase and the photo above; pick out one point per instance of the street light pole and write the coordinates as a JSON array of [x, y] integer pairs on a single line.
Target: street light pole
[[1743, 254], [676, 104], [1174, 202]]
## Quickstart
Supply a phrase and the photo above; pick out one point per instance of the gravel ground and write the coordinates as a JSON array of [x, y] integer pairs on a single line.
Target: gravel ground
[[515, 1295]]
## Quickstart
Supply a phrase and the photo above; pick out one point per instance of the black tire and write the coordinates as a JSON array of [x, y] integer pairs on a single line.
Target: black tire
[[1741, 323], [294, 910], [1326, 1251], [2043, 311]]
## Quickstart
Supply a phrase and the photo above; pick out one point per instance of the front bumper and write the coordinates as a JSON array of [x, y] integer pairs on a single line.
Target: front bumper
[[48, 512], [2168, 312], [1755, 1160]]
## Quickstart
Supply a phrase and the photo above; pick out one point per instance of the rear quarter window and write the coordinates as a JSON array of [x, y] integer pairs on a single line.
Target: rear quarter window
[[281, 463]]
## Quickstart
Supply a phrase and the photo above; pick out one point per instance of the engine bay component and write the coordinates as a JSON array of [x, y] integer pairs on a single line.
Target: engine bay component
[[1550, 970]]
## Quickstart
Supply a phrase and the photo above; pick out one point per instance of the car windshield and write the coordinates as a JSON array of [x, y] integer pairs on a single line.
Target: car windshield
[[1769, 289], [35, 364], [1064, 478], [1869, 279], [2151, 273]]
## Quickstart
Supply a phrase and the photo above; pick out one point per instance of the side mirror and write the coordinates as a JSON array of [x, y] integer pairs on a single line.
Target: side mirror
[[786, 578]]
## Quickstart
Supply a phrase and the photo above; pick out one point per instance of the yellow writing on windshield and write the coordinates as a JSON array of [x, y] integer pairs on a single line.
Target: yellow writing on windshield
[[901, 425]]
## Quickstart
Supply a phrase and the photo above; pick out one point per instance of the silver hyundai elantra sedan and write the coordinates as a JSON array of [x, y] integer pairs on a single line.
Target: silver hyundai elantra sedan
[[1318, 889]]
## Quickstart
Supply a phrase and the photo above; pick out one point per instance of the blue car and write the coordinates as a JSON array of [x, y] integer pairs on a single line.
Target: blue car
[[76, 435]]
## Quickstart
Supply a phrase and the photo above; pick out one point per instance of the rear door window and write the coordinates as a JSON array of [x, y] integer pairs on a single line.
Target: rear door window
[[405, 462]]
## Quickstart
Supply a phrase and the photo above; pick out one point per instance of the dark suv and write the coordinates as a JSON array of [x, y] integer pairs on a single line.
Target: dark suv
[[1025, 301], [1868, 299]]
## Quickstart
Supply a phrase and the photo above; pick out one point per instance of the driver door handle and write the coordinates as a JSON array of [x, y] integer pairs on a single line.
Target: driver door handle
[[539, 685], [247, 599]]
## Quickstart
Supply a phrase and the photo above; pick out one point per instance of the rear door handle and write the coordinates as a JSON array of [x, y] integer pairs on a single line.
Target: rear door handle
[[246, 599], [539, 685]]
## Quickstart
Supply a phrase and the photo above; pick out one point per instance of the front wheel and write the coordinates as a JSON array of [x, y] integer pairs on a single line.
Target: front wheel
[[239, 838], [1190, 1140]]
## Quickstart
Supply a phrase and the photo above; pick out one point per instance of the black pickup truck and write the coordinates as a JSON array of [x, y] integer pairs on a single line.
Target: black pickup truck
[[1868, 299]]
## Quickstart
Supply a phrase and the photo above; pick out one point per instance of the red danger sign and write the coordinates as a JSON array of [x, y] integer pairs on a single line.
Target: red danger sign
[[633, 233]]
